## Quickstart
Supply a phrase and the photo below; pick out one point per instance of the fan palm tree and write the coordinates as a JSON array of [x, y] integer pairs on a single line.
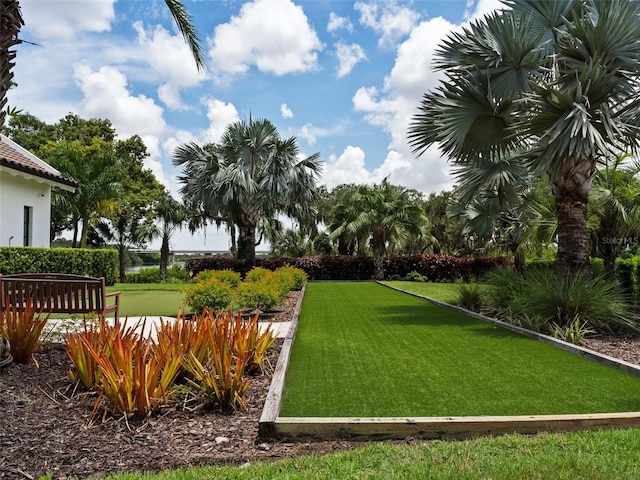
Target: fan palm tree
[[550, 84], [386, 215], [501, 204], [615, 207], [11, 22], [250, 176]]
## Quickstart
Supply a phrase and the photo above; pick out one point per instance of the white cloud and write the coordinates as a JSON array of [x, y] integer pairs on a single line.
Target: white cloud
[[388, 19], [170, 56], [106, 95], [220, 115], [481, 8], [336, 22], [285, 111], [348, 57], [65, 19], [170, 144], [392, 107], [311, 133], [349, 167], [273, 35]]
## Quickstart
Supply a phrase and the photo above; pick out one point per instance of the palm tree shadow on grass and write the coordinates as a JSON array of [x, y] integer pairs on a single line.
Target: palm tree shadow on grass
[[434, 316]]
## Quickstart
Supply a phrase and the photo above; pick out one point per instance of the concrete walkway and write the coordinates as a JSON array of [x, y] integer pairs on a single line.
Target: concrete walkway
[[147, 325]]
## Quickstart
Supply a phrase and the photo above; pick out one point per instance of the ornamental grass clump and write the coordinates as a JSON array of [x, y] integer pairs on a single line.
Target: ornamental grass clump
[[469, 296], [137, 376], [554, 304], [249, 339], [23, 327]]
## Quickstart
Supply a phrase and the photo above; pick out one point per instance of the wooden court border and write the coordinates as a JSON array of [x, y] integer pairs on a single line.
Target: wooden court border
[[272, 426]]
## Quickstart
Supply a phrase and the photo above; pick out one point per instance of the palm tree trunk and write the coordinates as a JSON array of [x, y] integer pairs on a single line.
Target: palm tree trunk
[[519, 260], [234, 244], [84, 232], [571, 193], [378, 266], [10, 24], [378, 247], [164, 257], [248, 241], [122, 265], [609, 243]]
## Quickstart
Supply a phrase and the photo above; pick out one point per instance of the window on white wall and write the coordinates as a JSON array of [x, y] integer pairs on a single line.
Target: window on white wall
[[28, 226]]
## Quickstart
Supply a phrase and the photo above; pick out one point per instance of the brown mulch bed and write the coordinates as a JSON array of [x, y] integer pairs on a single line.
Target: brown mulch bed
[[45, 427]]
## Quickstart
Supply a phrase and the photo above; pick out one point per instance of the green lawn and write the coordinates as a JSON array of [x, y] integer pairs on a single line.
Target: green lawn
[[601, 455], [153, 299], [445, 292], [364, 350]]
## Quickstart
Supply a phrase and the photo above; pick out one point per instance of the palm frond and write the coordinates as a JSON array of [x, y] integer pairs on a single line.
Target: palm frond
[[184, 22]]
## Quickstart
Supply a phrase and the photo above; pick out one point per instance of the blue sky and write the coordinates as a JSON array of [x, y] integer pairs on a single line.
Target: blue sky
[[343, 77]]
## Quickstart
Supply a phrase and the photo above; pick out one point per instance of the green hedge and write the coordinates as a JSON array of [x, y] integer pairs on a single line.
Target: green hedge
[[77, 261]]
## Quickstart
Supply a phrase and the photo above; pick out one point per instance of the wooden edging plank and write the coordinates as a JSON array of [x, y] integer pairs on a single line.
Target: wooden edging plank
[[446, 428], [271, 408], [312, 428]]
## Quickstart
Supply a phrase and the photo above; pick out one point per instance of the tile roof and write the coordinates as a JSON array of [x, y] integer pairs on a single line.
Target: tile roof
[[16, 158]]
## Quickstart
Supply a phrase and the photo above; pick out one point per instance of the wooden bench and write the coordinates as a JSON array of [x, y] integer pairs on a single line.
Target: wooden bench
[[58, 293]]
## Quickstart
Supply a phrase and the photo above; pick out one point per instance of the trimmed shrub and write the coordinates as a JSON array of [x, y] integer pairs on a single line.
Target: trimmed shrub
[[211, 293], [229, 277], [257, 274], [144, 275], [627, 274], [414, 276], [262, 295], [436, 268], [298, 277]]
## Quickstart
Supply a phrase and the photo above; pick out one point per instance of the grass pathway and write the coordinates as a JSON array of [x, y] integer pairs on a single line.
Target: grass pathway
[[363, 350]]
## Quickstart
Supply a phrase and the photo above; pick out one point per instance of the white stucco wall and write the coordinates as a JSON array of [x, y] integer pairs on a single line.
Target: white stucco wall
[[16, 192]]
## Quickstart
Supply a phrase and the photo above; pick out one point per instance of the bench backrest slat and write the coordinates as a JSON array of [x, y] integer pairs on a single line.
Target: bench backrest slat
[[53, 293]]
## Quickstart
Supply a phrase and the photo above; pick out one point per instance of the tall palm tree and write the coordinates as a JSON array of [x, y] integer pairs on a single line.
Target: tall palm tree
[[98, 189], [387, 215], [172, 215], [345, 211], [550, 84], [11, 22], [251, 175]]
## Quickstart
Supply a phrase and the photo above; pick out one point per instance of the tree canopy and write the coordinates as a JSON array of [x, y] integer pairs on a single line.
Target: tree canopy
[[248, 179], [551, 85]]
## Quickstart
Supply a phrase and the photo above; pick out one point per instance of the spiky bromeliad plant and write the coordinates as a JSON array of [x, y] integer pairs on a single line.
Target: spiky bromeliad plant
[[22, 328]]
